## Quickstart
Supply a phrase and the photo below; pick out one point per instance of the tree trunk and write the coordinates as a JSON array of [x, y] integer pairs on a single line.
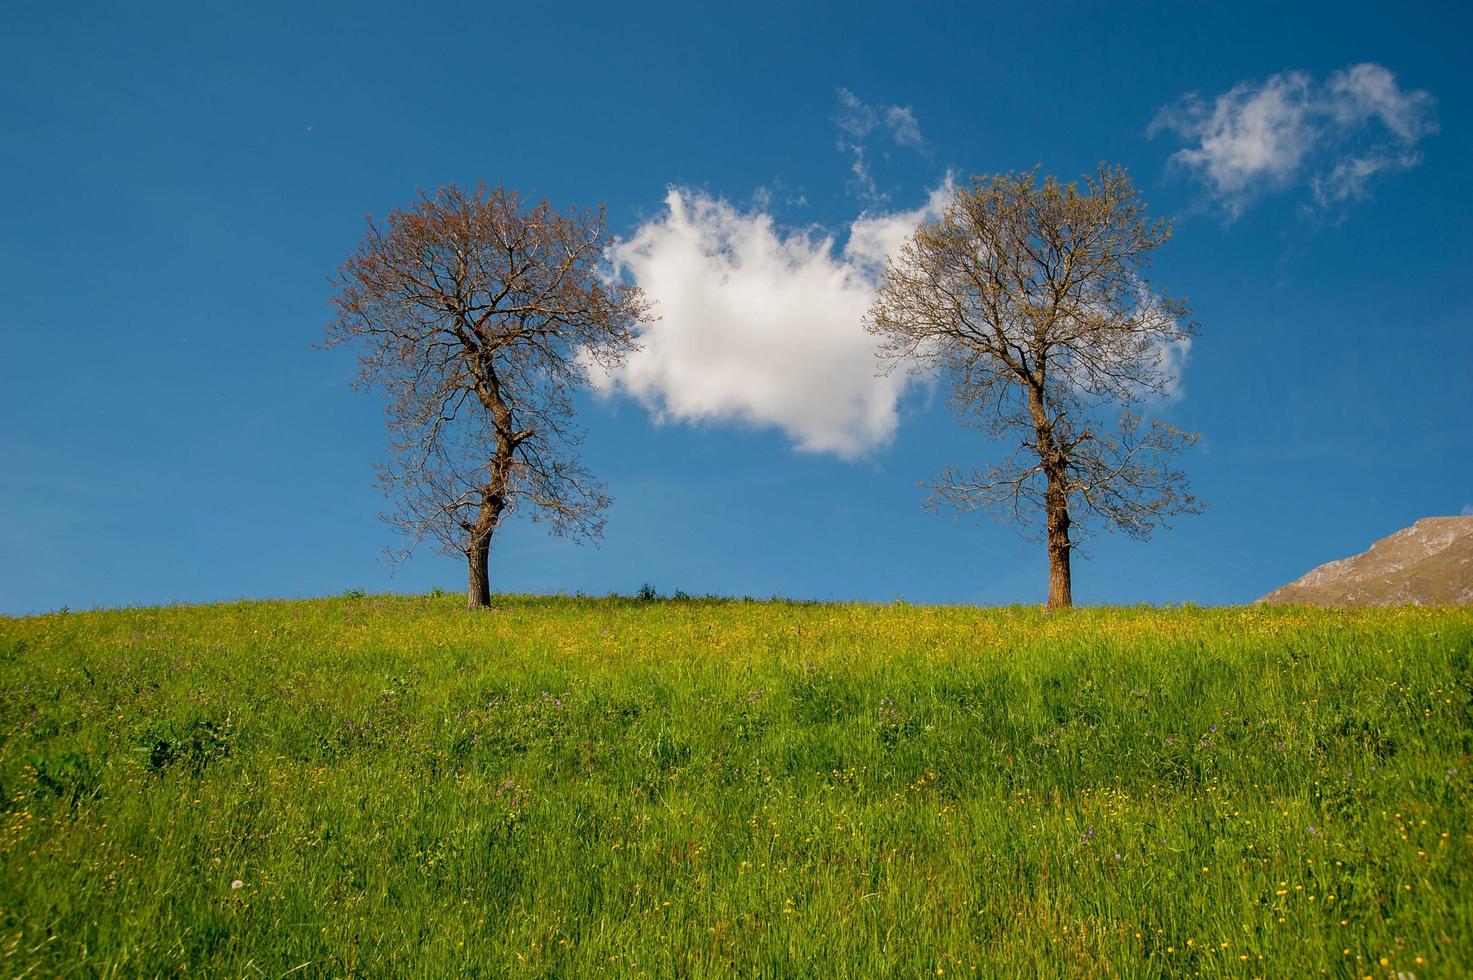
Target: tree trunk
[[478, 555], [1052, 460], [478, 582], [1060, 590]]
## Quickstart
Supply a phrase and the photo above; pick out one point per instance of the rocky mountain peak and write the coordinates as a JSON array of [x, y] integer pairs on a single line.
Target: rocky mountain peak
[[1429, 563]]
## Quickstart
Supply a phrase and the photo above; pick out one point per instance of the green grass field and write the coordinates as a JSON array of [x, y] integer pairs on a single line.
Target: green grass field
[[567, 787]]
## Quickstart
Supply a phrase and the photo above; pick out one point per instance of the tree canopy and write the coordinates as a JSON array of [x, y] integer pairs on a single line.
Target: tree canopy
[[1031, 299], [479, 314]]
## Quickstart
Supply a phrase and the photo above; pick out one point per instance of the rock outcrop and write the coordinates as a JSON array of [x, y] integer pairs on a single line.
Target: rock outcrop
[[1427, 564]]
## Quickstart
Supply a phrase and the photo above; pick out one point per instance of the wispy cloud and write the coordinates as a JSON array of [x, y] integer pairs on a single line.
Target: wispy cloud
[[901, 121], [1291, 130], [855, 118], [763, 325], [860, 124]]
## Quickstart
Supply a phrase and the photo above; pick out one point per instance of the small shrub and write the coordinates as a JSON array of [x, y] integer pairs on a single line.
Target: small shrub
[[646, 593]]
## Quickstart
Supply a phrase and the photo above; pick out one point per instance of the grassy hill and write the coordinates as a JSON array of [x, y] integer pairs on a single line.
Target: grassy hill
[[566, 787]]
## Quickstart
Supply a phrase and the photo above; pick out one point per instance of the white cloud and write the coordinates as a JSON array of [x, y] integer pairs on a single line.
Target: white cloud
[[1169, 356], [1366, 90], [854, 117], [874, 237], [1251, 134], [1347, 180], [762, 325], [857, 120], [1291, 130], [1468, 509], [862, 183], [901, 121]]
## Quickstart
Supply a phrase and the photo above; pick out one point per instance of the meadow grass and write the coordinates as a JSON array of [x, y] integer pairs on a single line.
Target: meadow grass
[[569, 787]]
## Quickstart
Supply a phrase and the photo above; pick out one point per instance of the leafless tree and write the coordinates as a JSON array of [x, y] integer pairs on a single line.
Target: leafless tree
[[1031, 300], [478, 314]]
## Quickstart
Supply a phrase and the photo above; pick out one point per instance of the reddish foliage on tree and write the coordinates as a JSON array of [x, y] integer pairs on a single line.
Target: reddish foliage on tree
[[479, 314], [1031, 300]]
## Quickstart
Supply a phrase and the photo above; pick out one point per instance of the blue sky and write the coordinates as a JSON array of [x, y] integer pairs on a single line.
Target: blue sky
[[178, 181]]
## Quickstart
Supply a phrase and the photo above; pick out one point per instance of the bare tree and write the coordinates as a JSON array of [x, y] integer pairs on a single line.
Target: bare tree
[[1031, 299], [478, 315]]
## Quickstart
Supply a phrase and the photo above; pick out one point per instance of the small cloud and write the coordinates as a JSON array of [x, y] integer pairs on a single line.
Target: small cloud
[[861, 182], [904, 129], [1347, 181], [1467, 510], [1291, 131], [858, 122], [768, 196], [854, 117], [762, 325]]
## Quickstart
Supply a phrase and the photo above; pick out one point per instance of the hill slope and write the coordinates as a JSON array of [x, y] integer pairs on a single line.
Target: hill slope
[[584, 788], [1427, 564]]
